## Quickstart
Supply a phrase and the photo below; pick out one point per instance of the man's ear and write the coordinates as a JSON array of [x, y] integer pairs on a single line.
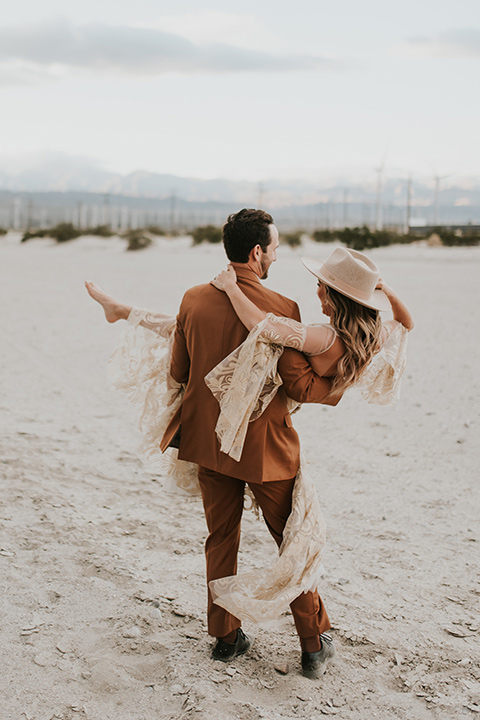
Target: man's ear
[[255, 252]]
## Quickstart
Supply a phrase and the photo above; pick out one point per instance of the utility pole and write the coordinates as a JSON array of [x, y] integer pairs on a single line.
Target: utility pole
[[345, 208], [17, 213], [378, 202], [106, 209], [409, 205], [29, 213], [378, 209], [329, 217], [173, 199], [260, 195], [436, 190], [365, 214]]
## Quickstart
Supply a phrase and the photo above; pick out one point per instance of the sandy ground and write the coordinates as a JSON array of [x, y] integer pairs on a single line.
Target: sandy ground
[[103, 574]]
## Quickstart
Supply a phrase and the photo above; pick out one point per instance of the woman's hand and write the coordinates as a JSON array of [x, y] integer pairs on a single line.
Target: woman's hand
[[382, 285], [226, 280], [400, 311]]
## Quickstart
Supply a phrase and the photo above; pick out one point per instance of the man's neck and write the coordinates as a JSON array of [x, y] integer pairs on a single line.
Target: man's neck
[[252, 266]]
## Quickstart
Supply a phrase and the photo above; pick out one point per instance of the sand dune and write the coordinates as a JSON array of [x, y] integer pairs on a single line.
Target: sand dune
[[103, 574]]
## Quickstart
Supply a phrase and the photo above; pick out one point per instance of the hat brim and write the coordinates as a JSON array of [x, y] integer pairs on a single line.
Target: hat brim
[[377, 300]]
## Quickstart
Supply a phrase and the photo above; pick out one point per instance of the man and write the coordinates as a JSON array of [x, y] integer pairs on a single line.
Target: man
[[207, 331]]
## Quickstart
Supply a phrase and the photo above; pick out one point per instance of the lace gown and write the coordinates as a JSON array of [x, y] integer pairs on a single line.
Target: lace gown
[[244, 383]]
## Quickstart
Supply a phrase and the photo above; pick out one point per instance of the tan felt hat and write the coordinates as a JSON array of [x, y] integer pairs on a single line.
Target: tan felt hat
[[351, 273]]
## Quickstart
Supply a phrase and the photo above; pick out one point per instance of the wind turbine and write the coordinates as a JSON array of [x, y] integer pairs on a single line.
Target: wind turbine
[[436, 192], [407, 176]]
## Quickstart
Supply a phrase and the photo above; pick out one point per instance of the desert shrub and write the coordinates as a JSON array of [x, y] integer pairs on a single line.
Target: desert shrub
[[381, 238], [469, 238], [3, 231], [100, 230], [206, 233], [29, 234], [406, 239], [456, 238], [362, 238], [63, 232], [137, 240], [155, 230], [324, 236], [293, 239], [356, 238]]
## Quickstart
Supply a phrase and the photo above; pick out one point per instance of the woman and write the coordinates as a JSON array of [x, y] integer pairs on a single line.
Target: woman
[[347, 350], [351, 294]]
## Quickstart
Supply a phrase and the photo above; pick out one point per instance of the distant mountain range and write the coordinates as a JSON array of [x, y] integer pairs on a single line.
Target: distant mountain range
[[60, 173], [61, 185]]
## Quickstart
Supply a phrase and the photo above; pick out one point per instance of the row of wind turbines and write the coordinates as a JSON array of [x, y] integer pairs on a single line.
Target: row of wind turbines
[[437, 179]]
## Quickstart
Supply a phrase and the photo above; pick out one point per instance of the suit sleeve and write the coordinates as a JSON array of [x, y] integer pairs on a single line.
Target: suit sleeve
[[300, 381], [180, 362]]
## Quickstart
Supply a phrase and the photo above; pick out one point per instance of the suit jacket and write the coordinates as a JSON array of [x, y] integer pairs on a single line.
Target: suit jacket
[[207, 331]]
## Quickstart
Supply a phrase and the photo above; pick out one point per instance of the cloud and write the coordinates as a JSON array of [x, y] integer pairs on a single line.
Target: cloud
[[15, 72], [462, 42], [133, 50], [207, 26]]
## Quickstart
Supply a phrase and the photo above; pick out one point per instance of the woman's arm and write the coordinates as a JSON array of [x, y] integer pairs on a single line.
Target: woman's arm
[[400, 311], [281, 331]]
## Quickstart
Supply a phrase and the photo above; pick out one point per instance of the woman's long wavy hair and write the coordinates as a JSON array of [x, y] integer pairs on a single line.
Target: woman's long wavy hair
[[359, 328]]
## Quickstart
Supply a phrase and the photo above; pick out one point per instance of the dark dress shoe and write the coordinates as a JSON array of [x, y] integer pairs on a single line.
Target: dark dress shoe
[[227, 651], [314, 664]]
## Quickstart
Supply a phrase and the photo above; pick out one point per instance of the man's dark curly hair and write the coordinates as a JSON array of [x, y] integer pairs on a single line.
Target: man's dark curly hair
[[245, 229]]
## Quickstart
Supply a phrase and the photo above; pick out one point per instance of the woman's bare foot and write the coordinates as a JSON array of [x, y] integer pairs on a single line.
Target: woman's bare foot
[[113, 310]]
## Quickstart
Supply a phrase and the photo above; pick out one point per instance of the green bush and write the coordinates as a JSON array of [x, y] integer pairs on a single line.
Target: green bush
[[362, 238], [33, 234], [325, 236], [206, 233], [100, 230], [357, 238], [155, 230], [294, 239], [63, 232], [3, 231], [137, 240], [456, 238]]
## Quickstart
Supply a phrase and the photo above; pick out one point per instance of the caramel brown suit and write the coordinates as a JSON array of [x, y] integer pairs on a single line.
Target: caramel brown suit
[[207, 331]]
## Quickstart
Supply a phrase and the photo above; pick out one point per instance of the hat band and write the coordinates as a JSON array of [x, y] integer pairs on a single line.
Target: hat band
[[349, 289]]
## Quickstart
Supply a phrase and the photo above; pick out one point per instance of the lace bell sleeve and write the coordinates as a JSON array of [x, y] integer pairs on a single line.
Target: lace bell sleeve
[[380, 383], [159, 323], [283, 331], [246, 381], [309, 339]]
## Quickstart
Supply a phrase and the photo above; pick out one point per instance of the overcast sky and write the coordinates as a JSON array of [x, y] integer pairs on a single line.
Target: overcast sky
[[249, 90]]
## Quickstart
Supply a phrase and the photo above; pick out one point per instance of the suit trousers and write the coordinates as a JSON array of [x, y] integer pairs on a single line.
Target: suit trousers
[[223, 499]]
